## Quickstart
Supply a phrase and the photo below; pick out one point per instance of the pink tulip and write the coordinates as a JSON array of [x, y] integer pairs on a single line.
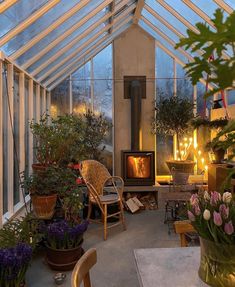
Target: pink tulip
[[191, 216], [217, 218], [197, 209], [194, 199], [215, 198], [228, 228], [224, 211]]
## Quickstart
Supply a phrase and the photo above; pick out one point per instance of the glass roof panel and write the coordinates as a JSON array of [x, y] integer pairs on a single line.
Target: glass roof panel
[[69, 61], [93, 52], [18, 13], [167, 16], [64, 44], [160, 26], [185, 11], [59, 31], [38, 26], [208, 7], [230, 3], [163, 41]]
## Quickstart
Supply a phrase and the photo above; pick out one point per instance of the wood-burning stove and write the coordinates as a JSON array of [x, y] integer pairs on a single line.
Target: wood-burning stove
[[138, 167]]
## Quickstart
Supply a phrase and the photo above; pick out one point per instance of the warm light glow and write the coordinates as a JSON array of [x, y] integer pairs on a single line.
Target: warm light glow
[[203, 160], [206, 167], [138, 167], [199, 152]]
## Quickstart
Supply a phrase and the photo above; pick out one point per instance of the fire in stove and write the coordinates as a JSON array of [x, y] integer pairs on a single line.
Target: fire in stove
[[138, 167]]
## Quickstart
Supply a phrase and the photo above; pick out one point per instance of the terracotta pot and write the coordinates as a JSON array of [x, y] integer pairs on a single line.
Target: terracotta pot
[[63, 259], [44, 206]]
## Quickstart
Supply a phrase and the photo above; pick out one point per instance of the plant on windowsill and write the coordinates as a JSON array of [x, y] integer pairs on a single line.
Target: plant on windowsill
[[213, 217], [64, 243], [172, 117]]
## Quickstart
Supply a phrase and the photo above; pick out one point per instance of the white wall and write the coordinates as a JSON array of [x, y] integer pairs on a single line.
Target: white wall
[[133, 55]]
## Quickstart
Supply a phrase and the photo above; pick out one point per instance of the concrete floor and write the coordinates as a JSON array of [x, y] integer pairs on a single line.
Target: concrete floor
[[116, 266]]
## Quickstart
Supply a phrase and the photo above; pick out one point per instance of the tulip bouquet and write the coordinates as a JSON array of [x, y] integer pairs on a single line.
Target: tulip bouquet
[[213, 216]]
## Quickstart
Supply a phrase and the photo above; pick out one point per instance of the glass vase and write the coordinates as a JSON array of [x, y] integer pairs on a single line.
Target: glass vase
[[217, 266]]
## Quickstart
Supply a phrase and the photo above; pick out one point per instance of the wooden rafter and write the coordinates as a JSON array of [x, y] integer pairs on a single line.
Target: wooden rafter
[[224, 6], [6, 5], [27, 22], [138, 11], [49, 29]]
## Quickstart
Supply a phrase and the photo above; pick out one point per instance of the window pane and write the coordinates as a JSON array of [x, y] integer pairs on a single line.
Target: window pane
[[102, 65], [231, 97], [81, 88], [26, 126], [184, 87], [60, 99], [164, 88]]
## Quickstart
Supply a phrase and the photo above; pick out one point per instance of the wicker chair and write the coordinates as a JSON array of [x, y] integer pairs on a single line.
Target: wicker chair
[[81, 270], [103, 190], [182, 227]]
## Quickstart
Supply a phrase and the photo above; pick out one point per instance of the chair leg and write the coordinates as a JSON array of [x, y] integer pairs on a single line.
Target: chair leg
[[122, 216], [105, 221]]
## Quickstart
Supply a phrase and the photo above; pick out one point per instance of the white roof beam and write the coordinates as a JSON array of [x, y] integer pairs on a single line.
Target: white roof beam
[[62, 72], [224, 6], [27, 22], [94, 52], [6, 4], [68, 32], [52, 27], [89, 41], [138, 11]]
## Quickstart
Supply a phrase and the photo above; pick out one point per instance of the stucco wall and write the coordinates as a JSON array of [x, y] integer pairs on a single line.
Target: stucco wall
[[133, 55]]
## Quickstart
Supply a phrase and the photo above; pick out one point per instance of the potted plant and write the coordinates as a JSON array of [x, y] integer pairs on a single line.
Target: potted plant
[[218, 147], [43, 192], [172, 117], [224, 140], [57, 141], [64, 243], [18, 239], [213, 216]]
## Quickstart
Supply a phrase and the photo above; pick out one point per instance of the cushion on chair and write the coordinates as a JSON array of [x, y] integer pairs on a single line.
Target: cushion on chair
[[109, 197]]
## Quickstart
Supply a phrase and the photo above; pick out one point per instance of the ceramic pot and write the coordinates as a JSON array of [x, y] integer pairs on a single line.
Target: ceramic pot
[[180, 170], [217, 266], [63, 259]]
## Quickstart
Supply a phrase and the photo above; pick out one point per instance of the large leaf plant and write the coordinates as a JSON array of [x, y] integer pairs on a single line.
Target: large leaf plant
[[217, 59]]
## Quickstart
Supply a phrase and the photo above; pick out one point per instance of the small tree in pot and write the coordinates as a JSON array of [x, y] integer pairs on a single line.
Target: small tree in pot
[[172, 117]]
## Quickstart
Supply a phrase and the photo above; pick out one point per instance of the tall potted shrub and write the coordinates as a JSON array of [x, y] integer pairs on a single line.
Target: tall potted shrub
[[172, 117]]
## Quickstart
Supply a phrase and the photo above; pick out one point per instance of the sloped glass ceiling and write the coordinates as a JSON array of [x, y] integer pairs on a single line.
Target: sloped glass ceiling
[[77, 38]]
